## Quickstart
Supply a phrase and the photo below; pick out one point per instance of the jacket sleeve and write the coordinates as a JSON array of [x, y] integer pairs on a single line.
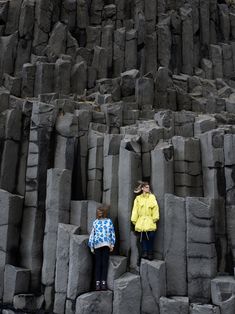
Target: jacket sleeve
[[92, 239], [112, 234], [155, 210], [134, 215]]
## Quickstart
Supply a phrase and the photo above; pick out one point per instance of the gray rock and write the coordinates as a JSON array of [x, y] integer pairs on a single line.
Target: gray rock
[[129, 173], [222, 292], [200, 231], [175, 245], [203, 309], [227, 60], [80, 266], [79, 78], [26, 21], [110, 179], [131, 50], [150, 52], [153, 282], [28, 77], [91, 213], [117, 267], [94, 302], [223, 11], [78, 215], [164, 42], [127, 294], [144, 92], [128, 82], [16, 281], [44, 78], [65, 233], [216, 58], [69, 13], [13, 16], [57, 205], [8, 45], [82, 14], [187, 39], [62, 76], [174, 305], [13, 84], [100, 62], [212, 143], [118, 51], [28, 302], [59, 303]]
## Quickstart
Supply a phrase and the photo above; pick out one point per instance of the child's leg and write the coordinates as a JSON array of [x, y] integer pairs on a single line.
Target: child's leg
[[105, 263], [98, 264], [151, 236], [144, 242]]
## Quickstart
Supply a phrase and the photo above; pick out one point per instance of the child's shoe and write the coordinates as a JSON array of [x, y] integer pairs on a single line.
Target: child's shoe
[[97, 286], [144, 254], [103, 285]]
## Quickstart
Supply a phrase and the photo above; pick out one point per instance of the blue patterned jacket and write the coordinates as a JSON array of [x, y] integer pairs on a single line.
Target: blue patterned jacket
[[102, 234]]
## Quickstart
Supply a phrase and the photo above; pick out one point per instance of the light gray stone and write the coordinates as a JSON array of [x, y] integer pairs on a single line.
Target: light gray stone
[[13, 16], [117, 267], [59, 303], [79, 77], [222, 289], [200, 229], [153, 282], [129, 173], [28, 77], [175, 245], [28, 302], [162, 181], [62, 76], [16, 281], [203, 309], [127, 294], [131, 50], [94, 302], [65, 232], [80, 266], [212, 143], [187, 39], [187, 149], [78, 215], [164, 42], [216, 58], [174, 305], [229, 142], [44, 78]]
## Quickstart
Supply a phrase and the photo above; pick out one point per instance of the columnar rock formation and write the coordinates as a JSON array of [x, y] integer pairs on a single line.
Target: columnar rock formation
[[95, 95]]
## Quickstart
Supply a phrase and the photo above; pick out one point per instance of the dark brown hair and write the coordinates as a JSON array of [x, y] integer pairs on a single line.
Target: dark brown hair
[[141, 184], [103, 209]]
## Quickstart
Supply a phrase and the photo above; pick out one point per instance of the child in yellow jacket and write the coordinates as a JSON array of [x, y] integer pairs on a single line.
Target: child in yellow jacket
[[145, 214]]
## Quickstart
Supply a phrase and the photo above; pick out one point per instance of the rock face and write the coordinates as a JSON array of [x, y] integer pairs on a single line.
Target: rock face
[[94, 96]]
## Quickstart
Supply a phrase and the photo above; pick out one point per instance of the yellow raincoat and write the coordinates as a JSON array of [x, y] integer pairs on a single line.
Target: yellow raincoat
[[145, 213]]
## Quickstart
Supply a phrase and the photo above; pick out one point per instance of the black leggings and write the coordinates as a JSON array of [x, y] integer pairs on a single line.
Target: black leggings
[[101, 263]]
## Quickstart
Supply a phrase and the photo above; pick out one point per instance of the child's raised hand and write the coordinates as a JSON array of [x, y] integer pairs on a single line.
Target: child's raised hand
[[111, 248]]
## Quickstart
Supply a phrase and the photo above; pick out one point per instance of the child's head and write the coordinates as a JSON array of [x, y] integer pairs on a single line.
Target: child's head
[[143, 187], [102, 211]]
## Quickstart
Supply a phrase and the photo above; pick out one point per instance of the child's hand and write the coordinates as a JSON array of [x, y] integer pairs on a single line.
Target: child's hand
[[111, 248], [92, 251]]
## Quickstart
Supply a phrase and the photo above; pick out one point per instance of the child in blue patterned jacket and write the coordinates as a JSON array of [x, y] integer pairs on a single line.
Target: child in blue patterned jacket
[[101, 242]]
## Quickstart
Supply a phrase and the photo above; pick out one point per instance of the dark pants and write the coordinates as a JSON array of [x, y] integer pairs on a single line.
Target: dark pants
[[147, 241], [101, 263]]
